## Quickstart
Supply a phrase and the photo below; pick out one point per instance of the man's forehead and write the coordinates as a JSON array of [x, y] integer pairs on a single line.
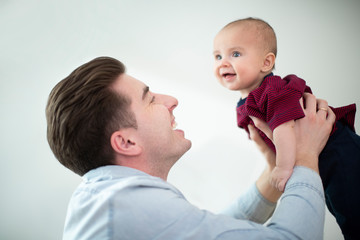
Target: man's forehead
[[131, 86]]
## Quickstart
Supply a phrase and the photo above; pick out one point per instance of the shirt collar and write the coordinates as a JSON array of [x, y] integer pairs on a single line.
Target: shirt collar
[[243, 100], [111, 172]]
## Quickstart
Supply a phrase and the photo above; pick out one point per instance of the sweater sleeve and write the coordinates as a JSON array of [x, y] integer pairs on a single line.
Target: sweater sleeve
[[279, 99]]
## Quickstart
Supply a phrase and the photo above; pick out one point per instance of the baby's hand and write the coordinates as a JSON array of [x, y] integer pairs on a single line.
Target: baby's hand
[[279, 177]]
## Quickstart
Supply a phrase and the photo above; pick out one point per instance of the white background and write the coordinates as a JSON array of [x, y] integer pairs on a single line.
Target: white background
[[167, 45]]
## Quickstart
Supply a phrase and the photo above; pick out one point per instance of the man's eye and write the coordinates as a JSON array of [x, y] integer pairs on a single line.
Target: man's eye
[[236, 54], [218, 57], [152, 99]]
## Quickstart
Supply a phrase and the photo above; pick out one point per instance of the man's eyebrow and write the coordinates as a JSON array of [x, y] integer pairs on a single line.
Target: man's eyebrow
[[145, 91]]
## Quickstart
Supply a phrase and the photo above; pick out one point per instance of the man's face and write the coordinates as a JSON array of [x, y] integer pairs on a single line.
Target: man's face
[[156, 132]]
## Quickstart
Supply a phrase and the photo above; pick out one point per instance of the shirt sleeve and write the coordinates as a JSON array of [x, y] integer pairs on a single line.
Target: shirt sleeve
[[251, 206], [149, 208], [300, 215], [301, 211]]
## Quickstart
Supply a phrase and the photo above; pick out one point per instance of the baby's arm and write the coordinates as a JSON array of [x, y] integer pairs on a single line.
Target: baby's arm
[[285, 144]]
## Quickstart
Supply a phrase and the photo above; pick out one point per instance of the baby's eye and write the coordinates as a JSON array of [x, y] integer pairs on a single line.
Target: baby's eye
[[236, 54], [218, 57]]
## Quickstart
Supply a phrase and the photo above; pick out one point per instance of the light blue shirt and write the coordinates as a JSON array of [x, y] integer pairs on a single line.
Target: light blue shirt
[[115, 202]]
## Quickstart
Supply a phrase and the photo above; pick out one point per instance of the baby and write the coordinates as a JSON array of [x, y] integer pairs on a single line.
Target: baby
[[245, 52]]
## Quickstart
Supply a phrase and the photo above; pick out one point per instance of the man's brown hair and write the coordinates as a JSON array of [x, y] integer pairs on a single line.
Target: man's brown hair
[[82, 113]]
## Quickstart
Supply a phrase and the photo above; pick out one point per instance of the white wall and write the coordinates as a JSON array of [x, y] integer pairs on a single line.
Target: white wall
[[168, 45]]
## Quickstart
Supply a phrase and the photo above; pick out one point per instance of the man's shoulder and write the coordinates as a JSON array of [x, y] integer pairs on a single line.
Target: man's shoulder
[[116, 180]]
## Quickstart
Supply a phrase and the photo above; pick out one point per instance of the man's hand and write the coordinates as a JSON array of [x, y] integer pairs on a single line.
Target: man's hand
[[312, 131], [263, 184], [262, 146]]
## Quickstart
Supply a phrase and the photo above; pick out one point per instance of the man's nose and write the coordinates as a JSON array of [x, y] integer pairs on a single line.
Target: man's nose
[[169, 101]]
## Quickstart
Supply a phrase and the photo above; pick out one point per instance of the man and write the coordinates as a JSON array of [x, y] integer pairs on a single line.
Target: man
[[120, 137]]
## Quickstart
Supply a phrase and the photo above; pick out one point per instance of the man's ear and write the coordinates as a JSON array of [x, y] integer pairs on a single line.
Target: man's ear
[[269, 62], [122, 143]]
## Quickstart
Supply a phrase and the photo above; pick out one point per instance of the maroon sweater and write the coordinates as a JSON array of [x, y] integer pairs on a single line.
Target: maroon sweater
[[276, 101]]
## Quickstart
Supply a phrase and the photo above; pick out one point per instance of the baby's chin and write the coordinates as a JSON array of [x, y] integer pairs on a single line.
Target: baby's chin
[[231, 87]]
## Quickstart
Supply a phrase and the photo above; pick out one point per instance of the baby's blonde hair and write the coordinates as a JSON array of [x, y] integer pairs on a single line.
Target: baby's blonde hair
[[265, 32]]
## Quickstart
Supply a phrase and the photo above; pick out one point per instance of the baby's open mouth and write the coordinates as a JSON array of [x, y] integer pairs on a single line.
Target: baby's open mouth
[[228, 74]]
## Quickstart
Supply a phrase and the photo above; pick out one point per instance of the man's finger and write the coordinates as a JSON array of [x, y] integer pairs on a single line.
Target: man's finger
[[310, 101]]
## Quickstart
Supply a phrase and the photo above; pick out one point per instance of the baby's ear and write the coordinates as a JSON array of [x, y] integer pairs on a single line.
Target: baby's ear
[[269, 62]]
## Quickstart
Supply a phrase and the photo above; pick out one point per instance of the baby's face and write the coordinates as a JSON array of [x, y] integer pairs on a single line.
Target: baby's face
[[239, 58]]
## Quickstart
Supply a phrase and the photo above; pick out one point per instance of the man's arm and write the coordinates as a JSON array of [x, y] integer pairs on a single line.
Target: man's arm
[[305, 188], [314, 128], [263, 184]]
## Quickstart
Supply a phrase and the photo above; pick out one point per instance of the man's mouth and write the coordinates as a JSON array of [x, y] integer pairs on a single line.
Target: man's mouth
[[174, 125]]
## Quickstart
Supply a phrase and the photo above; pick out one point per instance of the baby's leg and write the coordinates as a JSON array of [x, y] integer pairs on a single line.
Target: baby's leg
[[285, 144], [339, 167]]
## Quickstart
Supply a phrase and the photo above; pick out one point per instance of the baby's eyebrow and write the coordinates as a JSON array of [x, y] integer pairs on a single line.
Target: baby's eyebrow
[[236, 48]]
